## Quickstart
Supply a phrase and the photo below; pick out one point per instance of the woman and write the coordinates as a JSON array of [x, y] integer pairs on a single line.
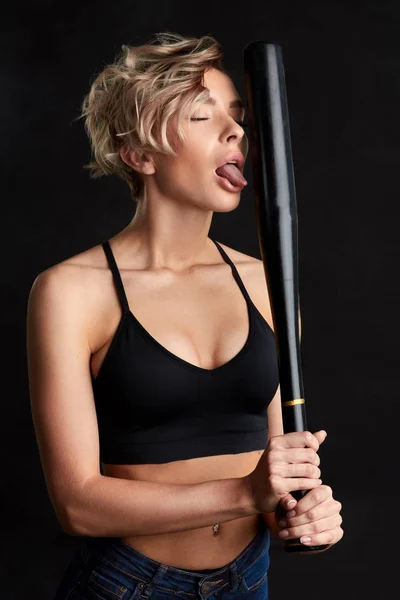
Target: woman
[[152, 364]]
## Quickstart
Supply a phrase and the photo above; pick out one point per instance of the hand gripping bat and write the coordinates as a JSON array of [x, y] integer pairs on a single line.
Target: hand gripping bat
[[276, 215]]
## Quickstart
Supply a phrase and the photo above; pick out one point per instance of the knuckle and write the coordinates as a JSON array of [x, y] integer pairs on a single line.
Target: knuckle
[[312, 514], [309, 470], [316, 495], [308, 436], [273, 442], [315, 528]]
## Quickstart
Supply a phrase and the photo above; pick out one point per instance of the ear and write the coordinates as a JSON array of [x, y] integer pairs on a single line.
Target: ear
[[142, 163]]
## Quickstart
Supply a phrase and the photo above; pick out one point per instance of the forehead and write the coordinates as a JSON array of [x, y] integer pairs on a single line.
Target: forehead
[[222, 89]]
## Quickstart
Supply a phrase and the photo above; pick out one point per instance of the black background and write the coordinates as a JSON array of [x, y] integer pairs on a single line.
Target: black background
[[342, 64]]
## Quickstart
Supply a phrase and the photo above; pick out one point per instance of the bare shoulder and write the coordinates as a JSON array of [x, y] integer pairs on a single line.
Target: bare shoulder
[[73, 271], [251, 271], [74, 288]]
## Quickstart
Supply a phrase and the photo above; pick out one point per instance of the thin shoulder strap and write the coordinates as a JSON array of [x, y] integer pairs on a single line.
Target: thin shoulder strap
[[234, 271], [116, 274]]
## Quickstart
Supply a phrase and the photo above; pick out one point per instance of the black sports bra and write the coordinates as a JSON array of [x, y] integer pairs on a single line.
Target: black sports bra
[[155, 407]]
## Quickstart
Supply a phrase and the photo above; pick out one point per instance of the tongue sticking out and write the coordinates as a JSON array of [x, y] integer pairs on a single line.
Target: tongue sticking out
[[232, 174]]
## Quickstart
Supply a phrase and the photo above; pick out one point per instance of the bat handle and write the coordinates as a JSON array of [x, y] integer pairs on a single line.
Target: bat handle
[[295, 419]]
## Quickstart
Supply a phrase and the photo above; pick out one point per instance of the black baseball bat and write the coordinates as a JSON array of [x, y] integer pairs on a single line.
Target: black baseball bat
[[276, 215]]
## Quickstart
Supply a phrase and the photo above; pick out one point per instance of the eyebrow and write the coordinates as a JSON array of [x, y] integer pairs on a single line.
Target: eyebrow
[[233, 104]]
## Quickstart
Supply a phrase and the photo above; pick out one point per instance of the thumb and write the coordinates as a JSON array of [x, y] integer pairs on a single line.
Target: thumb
[[288, 502], [285, 504], [320, 435]]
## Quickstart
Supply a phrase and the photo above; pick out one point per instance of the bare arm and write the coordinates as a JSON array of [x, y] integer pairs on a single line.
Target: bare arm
[[120, 507], [64, 416], [275, 427]]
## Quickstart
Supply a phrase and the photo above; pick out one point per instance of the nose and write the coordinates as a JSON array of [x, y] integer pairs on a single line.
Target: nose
[[235, 132]]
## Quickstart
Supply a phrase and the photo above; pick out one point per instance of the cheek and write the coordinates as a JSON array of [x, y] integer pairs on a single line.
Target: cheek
[[188, 174], [187, 179], [192, 163], [176, 177]]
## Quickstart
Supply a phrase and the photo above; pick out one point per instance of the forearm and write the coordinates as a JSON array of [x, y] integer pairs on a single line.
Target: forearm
[[113, 507]]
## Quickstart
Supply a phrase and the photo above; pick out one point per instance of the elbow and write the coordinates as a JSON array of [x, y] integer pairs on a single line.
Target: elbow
[[70, 530], [76, 516], [71, 519], [73, 524], [69, 522]]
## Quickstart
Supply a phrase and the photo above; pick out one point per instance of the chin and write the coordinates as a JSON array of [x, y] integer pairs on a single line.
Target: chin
[[225, 203]]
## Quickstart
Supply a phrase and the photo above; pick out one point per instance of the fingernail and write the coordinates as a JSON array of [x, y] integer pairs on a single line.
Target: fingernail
[[282, 523], [305, 539], [290, 503], [290, 513], [284, 533]]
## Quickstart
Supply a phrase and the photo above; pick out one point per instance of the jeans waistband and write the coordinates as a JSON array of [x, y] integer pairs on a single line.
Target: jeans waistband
[[133, 566]]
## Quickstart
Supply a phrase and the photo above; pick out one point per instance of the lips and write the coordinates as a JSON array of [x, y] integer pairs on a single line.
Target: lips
[[237, 156]]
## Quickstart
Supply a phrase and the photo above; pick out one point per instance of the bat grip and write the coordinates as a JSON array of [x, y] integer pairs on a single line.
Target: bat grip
[[294, 419]]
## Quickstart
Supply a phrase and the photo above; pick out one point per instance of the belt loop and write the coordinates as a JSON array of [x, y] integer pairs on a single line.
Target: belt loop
[[234, 578], [159, 574]]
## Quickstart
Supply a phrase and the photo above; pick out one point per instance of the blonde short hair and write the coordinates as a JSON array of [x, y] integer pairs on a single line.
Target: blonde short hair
[[132, 100]]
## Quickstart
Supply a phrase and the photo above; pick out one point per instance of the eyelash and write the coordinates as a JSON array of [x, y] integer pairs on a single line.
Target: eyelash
[[241, 123]]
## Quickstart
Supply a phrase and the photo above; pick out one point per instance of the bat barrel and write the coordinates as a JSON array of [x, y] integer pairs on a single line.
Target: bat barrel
[[276, 212], [276, 209]]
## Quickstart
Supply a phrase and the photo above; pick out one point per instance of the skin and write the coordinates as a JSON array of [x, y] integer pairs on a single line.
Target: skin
[[180, 194], [172, 221], [166, 250], [315, 516]]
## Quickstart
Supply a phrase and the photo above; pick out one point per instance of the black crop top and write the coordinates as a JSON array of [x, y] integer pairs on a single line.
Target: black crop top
[[155, 407]]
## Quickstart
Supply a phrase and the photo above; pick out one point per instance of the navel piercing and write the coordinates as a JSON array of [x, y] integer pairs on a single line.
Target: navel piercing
[[215, 529]]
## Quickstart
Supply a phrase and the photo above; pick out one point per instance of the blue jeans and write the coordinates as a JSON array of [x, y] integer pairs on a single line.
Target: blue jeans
[[110, 569]]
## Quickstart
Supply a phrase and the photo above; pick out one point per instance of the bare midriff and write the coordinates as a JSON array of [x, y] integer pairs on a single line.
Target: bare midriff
[[195, 548]]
